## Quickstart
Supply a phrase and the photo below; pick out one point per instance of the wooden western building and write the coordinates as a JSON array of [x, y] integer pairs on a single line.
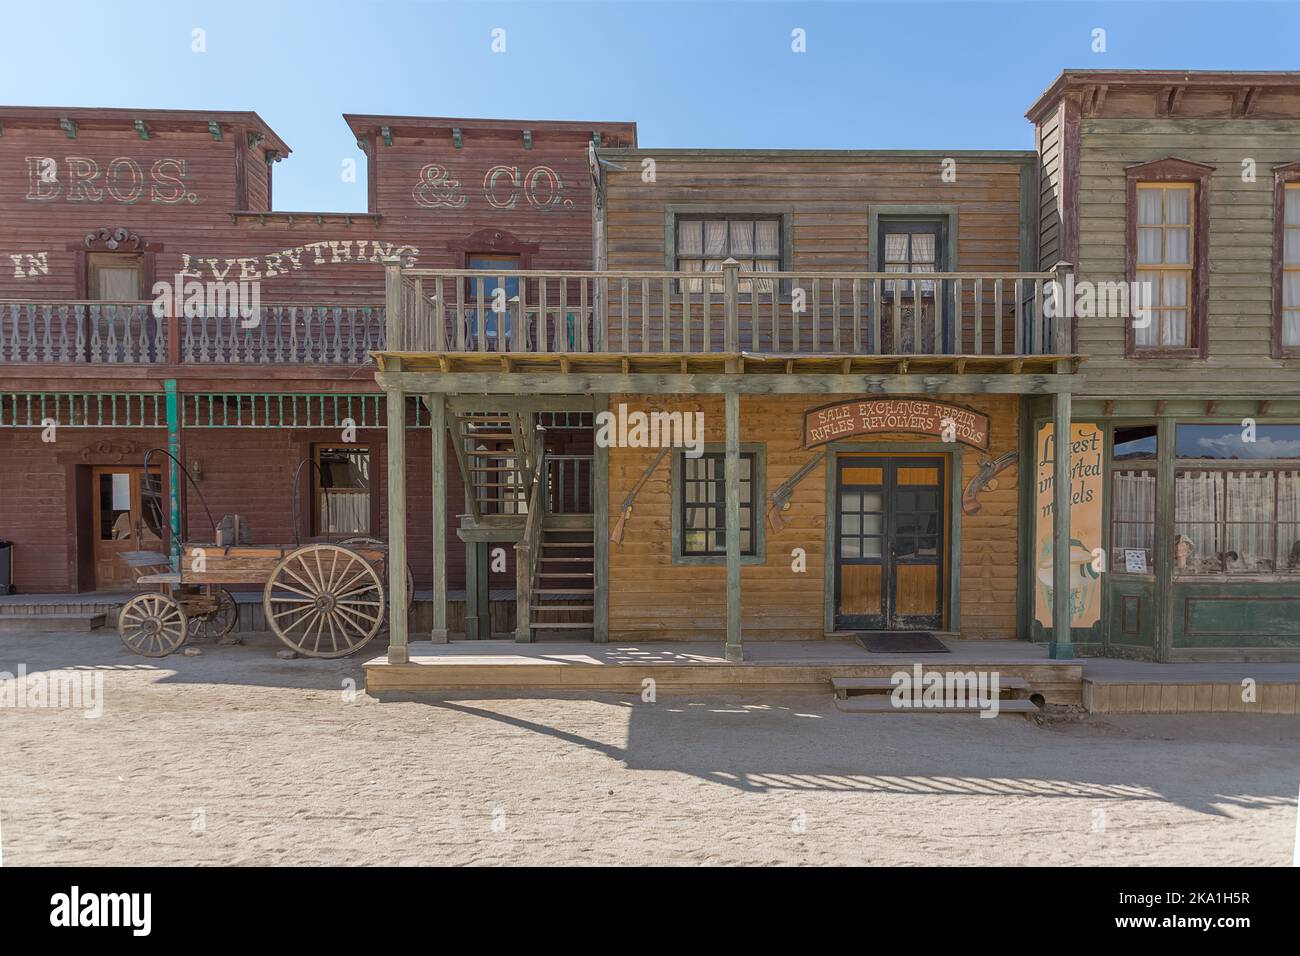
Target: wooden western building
[[725, 395], [1189, 183], [96, 206]]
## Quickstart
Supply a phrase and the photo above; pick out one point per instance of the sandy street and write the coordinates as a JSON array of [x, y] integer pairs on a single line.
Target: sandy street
[[237, 757]]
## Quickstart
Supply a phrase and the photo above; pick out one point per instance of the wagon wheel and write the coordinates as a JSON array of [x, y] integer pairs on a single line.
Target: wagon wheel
[[217, 623], [152, 625], [365, 541], [324, 600]]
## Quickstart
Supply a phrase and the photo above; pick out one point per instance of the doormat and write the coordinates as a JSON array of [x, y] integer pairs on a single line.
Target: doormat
[[901, 642]]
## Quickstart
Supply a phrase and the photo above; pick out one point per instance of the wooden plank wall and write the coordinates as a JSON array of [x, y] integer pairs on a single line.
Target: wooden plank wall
[[651, 598], [829, 197], [1050, 166], [1240, 254]]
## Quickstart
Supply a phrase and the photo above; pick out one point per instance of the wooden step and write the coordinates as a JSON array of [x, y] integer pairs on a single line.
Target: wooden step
[[37, 623], [566, 574], [882, 704], [566, 544], [555, 560], [570, 626], [564, 590], [842, 685]]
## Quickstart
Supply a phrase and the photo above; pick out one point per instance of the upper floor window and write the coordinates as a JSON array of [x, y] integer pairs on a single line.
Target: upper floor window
[[1167, 258], [704, 243], [1288, 329], [911, 246], [1164, 261]]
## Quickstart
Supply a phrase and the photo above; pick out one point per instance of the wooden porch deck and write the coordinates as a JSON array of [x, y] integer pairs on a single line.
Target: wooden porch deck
[[700, 666]]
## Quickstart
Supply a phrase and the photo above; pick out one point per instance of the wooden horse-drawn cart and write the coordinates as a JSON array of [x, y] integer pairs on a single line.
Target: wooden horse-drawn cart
[[321, 600]]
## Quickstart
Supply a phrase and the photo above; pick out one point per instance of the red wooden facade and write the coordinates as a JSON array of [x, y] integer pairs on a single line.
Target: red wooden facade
[[189, 194]]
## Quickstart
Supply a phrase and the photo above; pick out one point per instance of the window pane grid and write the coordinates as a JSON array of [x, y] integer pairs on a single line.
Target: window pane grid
[[1237, 520], [704, 504], [1164, 255], [1291, 266], [704, 244]]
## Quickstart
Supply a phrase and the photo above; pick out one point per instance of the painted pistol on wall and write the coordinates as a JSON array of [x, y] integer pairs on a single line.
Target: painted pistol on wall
[[780, 498], [990, 468]]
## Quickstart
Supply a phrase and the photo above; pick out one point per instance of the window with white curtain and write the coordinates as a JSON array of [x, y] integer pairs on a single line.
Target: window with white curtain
[[1291, 266], [703, 244], [1165, 213], [1132, 516], [1237, 499], [910, 247]]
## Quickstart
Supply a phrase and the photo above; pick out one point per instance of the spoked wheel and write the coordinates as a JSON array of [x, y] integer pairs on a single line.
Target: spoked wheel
[[324, 600], [152, 625], [218, 623], [365, 541]]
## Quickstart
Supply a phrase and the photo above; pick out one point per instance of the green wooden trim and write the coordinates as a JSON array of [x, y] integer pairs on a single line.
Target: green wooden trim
[[925, 212], [173, 470], [731, 210], [758, 503], [1027, 482], [734, 650], [438, 477], [398, 650], [952, 452], [600, 530], [1164, 545], [1229, 410], [1062, 644]]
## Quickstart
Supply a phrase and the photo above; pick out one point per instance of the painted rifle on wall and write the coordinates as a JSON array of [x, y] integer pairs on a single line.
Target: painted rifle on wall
[[625, 511], [780, 498]]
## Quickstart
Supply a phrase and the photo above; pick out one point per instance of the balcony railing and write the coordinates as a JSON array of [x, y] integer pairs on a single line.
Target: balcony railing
[[795, 313], [112, 333]]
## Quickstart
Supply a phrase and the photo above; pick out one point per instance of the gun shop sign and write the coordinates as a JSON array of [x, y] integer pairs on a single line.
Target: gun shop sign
[[891, 416]]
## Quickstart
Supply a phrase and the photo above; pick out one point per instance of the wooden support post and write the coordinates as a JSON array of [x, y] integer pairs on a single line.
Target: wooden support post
[[600, 527], [1162, 551], [731, 305], [398, 649], [437, 405], [393, 304], [1063, 321], [734, 650], [473, 601], [1061, 647], [173, 470]]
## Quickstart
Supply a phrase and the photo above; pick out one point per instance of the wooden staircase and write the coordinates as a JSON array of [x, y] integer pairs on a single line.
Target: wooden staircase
[[493, 452], [562, 590]]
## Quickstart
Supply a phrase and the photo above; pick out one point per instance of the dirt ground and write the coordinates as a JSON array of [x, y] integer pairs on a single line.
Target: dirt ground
[[235, 757]]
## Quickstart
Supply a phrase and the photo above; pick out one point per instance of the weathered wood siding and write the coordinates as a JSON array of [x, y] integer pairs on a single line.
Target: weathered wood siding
[[828, 197], [1050, 169], [1240, 251], [650, 597]]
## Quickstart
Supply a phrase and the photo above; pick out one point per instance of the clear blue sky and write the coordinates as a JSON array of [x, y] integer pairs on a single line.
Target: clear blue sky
[[875, 75]]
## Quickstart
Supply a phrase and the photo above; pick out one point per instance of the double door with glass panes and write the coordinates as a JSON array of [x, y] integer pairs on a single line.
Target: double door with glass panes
[[889, 543]]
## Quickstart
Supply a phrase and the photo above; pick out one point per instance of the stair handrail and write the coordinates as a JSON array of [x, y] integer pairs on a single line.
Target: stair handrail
[[526, 551]]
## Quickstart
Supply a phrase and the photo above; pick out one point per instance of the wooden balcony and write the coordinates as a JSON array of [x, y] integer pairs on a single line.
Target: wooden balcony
[[456, 320], [125, 333]]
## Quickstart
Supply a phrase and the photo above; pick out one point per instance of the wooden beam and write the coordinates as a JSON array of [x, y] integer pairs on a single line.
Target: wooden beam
[[437, 405], [1264, 407], [595, 383], [734, 649], [398, 649], [1161, 407], [1108, 408], [1061, 647], [1212, 407]]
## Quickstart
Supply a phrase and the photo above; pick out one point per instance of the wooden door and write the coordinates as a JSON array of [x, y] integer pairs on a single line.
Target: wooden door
[[126, 516], [890, 543]]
